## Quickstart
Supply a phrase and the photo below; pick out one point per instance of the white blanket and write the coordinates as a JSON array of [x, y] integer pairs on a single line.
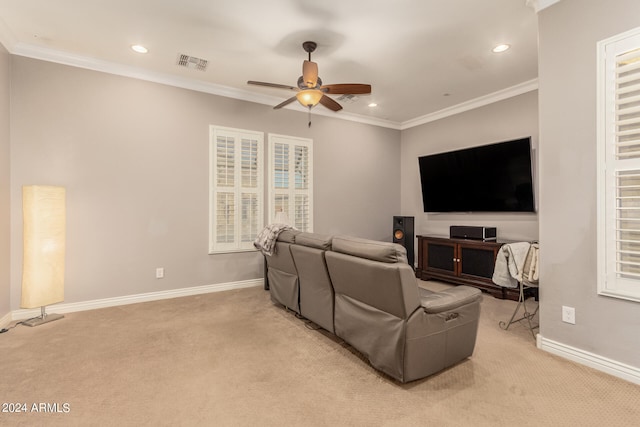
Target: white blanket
[[530, 274], [510, 263]]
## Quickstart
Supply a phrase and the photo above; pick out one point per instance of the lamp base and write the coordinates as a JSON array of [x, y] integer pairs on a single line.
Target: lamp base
[[37, 321]]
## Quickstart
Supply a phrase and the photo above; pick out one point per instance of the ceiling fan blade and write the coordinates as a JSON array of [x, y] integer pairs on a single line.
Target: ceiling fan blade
[[285, 103], [330, 103], [346, 88], [275, 85], [310, 73]]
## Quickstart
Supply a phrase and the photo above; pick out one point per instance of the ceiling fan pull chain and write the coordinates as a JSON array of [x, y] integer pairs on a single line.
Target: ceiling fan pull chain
[[309, 116]]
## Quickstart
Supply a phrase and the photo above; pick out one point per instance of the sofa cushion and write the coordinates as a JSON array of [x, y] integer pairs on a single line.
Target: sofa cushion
[[314, 240], [437, 302], [387, 286], [288, 236], [370, 249], [316, 290]]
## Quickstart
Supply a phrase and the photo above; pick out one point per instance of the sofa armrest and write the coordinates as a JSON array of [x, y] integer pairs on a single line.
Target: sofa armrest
[[437, 302]]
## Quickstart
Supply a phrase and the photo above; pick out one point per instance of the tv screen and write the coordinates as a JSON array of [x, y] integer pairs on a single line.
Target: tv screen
[[488, 178]]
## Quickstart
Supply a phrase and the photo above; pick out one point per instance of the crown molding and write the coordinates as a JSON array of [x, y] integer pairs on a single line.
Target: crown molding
[[500, 95], [74, 60], [94, 64], [539, 5], [65, 58]]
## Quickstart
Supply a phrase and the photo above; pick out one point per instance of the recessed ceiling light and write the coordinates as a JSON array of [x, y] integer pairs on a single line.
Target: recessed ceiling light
[[500, 48], [139, 48], [373, 104]]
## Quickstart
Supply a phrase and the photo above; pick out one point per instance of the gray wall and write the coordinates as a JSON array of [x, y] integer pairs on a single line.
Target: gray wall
[[133, 156], [4, 183], [501, 121], [568, 33]]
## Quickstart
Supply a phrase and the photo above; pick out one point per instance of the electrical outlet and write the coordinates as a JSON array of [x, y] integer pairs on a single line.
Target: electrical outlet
[[568, 314], [159, 273]]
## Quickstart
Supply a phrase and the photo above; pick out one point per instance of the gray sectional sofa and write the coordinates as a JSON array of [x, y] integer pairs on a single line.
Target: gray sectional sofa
[[364, 292]]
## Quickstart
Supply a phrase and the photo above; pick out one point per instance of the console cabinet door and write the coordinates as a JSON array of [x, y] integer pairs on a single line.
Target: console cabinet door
[[442, 257], [477, 262]]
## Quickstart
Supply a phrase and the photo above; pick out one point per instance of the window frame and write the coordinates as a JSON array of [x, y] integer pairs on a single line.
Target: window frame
[[236, 245], [610, 283], [291, 191]]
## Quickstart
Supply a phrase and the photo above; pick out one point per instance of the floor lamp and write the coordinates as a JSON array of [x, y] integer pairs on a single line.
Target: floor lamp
[[44, 218]]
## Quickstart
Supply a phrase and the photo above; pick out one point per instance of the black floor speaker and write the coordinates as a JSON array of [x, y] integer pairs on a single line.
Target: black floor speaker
[[403, 234]]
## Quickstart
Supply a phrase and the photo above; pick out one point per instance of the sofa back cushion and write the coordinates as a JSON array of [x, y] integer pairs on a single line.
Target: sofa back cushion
[[288, 236], [370, 249], [314, 240], [386, 286], [316, 291]]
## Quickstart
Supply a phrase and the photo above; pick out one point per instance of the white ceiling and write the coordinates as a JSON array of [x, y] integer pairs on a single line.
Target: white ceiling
[[422, 57]]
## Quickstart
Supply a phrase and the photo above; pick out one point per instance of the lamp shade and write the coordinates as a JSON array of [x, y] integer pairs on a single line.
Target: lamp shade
[[44, 219], [281, 218], [309, 97]]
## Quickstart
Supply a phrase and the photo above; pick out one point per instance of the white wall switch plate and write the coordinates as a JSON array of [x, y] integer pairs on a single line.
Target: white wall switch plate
[[159, 273]]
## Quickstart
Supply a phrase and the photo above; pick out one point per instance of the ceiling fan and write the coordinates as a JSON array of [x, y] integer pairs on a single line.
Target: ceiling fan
[[311, 91]]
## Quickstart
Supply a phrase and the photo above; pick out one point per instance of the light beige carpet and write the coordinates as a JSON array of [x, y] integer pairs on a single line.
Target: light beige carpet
[[235, 359]]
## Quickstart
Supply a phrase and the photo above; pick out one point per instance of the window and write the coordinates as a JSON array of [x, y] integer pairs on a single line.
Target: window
[[619, 166], [291, 180], [236, 188]]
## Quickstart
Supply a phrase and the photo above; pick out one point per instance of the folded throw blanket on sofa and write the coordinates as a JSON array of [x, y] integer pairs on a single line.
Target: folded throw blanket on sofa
[[266, 239]]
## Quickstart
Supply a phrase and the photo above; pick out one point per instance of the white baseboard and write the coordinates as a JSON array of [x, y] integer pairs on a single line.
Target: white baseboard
[[5, 320], [132, 299], [611, 367]]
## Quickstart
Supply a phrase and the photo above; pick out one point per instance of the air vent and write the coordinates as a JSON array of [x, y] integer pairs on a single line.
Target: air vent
[[348, 98], [192, 62]]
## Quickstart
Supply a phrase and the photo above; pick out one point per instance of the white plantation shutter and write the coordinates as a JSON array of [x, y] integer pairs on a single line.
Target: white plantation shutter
[[225, 217], [237, 189], [251, 190], [301, 196], [302, 220], [619, 186], [291, 180]]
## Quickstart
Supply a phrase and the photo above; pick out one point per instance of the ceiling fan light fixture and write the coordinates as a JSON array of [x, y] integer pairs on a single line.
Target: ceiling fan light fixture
[[309, 97]]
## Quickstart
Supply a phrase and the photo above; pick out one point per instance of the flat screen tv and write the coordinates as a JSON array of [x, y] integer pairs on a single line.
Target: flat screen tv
[[488, 178]]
